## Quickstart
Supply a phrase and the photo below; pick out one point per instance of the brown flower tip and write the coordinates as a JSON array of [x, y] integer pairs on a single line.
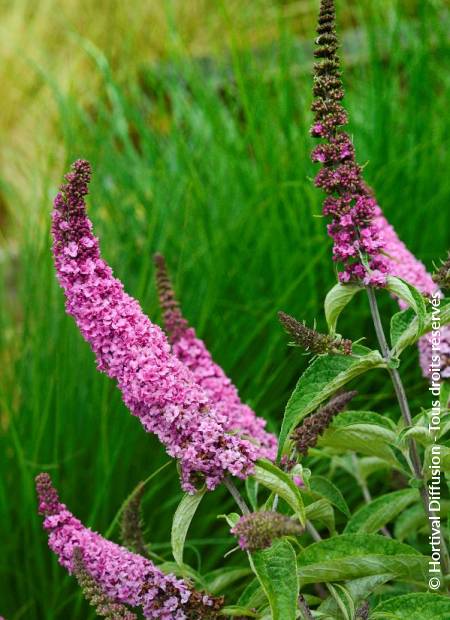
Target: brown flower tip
[[131, 523], [312, 340], [307, 435], [362, 613], [196, 608], [174, 321], [104, 606], [442, 274], [49, 503]]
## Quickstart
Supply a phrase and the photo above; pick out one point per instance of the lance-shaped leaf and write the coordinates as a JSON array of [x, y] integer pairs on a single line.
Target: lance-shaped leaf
[[367, 439], [411, 296], [281, 483], [321, 511], [276, 569], [374, 515], [413, 330], [181, 522], [399, 323], [336, 300], [320, 381], [351, 556], [325, 488], [358, 589], [423, 606], [237, 611]]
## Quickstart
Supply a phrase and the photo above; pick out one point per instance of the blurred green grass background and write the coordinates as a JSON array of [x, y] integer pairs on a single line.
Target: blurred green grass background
[[195, 117]]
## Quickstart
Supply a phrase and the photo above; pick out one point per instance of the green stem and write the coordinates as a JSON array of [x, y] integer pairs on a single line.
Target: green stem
[[406, 414], [236, 496], [365, 489], [313, 532]]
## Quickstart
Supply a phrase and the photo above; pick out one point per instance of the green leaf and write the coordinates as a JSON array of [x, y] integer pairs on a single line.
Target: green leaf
[[369, 465], [253, 595], [413, 332], [322, 511], [399, 323], [366, 466], [320, 381], [413, 519], [181, 522], [336, 300], [237, 610], [325, 488], [409, 522], [276, 569], [220, 579], [408, 293], [280, 482], [359, 590], [373, 516], [368, 439], [251, 486], [351, 556], [417, 432], [349, 418], [417, 606]]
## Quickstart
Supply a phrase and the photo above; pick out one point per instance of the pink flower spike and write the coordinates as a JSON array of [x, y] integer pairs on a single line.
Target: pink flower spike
[[155, 385], [192, 352], [349, 202], [123, 576]]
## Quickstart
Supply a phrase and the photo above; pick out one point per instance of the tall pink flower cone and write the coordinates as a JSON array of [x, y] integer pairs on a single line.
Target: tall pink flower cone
[[123, 576], [159, 389], [364, 242]]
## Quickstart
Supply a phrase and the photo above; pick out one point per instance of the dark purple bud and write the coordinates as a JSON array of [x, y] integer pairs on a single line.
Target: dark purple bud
[[362, 613], [174, 322], [311, 340], [306, 435], [49, 503]]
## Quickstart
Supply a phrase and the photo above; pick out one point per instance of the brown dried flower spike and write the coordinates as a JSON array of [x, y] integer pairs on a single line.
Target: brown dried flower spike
[[442, 275], [306, 435], [104, 606], [311, 340]]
